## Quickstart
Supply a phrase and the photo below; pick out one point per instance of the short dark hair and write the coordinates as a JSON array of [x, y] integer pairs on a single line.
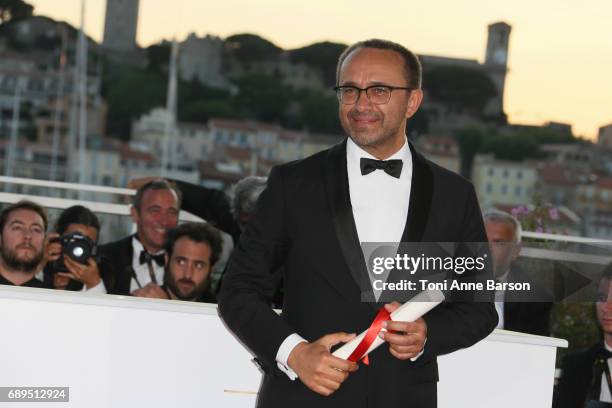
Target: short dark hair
[[77, 214], [157, 184], [197, 232], [22, 205], [412, 67]]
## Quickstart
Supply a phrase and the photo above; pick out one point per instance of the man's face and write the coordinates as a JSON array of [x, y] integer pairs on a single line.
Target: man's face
[[22, 240], [158, 212], [604, 306], [503, 248], [189, 268], [371, 125]]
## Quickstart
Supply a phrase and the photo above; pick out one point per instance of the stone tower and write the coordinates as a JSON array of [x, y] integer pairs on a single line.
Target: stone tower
[[120, 25], [496, 64]]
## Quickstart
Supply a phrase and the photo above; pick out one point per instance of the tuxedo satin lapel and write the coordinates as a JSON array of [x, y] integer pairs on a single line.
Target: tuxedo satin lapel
[[421, 191], [336, 184]]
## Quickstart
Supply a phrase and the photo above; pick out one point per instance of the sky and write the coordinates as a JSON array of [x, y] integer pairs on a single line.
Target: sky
[[560, 57]]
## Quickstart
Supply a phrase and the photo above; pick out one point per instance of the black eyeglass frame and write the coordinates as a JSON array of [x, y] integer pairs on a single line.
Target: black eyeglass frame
[[367, 89]]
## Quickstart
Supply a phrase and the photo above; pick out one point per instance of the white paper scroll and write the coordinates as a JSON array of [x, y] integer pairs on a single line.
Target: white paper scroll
[[408, 312]]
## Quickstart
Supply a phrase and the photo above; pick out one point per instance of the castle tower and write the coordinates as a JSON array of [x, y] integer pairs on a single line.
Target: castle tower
[[120, 25], [496, 64]]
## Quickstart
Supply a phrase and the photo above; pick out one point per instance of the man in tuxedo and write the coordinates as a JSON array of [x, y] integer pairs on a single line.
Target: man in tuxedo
[[529, 312], [372, 187], [138, 260], [584, 379], [22, 236]]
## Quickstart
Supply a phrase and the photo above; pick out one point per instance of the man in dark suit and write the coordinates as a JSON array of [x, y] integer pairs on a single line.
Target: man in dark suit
[[138, 260], [520, 311], [585, 373], [373, 187]]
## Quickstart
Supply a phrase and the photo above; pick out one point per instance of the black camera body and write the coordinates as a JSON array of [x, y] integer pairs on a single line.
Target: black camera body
[[77, 247]]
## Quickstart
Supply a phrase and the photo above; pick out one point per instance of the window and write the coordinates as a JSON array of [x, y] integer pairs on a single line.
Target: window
[[519, 174], [489, 187], [518, 190], [506, 173], [491, 171], [504, 189]]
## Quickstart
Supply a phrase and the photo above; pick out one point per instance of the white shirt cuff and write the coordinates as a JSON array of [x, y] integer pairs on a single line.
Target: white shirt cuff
[[421, 353], [99, 288], [282, 355]]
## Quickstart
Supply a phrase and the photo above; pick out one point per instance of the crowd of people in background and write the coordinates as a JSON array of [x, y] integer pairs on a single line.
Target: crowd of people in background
[[162, 259]]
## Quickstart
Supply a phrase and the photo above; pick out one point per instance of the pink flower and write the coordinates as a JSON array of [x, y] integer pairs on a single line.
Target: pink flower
[[539, 229], [553, 213]]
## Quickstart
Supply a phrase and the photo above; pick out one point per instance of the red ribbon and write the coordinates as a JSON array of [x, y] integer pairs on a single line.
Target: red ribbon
[[363, 346]]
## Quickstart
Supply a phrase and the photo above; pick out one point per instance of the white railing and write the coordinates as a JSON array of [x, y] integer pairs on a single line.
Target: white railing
[[61, 203]]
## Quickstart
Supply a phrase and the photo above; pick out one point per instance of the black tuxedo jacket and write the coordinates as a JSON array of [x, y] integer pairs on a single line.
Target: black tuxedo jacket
[[526, 317], [304, 221], [577, 378], [210, 205], [119, 255]]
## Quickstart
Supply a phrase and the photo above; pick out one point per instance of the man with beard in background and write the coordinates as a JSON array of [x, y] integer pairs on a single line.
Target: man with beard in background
[[22, 229], [192, 249]]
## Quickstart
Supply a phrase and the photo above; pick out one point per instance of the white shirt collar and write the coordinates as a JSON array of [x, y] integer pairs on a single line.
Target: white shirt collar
[[138, 247], [354, 153]]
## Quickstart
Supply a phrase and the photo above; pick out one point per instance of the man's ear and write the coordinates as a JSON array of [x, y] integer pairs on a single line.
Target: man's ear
[[414, 102], [516, 250], [134, 214]]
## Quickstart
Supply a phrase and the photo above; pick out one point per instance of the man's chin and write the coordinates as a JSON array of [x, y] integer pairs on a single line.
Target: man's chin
[[365, 137]]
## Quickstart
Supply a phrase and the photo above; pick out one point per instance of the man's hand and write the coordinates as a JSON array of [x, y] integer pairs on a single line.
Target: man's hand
[[151, 290], [88, 274], [53, 247], [317, 368], [406, 339]]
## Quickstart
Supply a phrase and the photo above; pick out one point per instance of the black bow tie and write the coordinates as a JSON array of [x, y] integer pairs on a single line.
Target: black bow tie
[[391, 167], [603, 353], [146, 257]]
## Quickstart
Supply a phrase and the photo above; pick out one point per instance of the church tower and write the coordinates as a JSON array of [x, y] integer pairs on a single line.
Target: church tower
[[496, 64], [120, 25]]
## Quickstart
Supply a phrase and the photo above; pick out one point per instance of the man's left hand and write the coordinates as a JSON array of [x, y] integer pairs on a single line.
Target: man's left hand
[[406, 339]]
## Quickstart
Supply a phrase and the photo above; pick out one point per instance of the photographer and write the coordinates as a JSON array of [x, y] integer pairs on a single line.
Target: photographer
[[77, 231]]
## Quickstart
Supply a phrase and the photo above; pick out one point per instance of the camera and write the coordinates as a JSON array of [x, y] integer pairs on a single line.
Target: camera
[[76, 246]]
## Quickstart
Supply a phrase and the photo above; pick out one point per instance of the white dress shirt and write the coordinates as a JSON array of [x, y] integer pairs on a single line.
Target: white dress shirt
[[142, 270], [380, 209]]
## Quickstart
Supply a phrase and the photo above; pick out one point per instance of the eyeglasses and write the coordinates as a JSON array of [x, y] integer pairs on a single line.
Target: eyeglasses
[[377, 94]]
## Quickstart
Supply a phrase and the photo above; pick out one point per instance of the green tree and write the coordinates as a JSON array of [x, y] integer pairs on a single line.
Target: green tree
[[249, 48], [465, 90], [158, 57], [130, 93], [203, 110], [319, 113], [321, 56], [13, 10], [470, 142], [262, 97]]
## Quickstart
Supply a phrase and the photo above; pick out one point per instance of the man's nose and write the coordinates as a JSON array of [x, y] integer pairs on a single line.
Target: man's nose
[[189, 271], [363, 102]]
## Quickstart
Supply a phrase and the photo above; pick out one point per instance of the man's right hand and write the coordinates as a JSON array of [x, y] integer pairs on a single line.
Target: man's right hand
[[317, 368]]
